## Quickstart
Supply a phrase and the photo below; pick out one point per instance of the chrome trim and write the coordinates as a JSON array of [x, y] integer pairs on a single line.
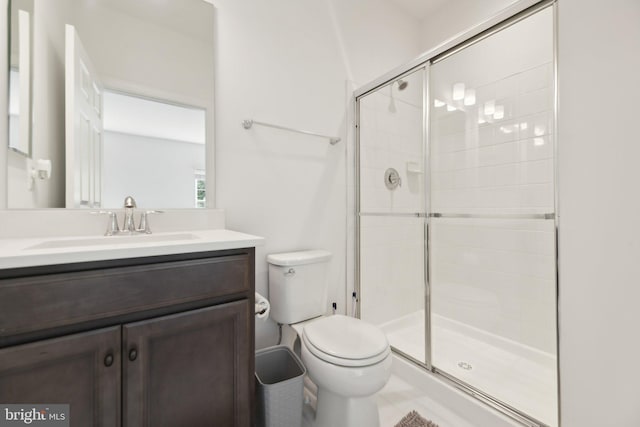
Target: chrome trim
[[426, 264], [409, 358], [248, 123], [549, 215], [393, 214], [356, 175], [556, 105], [454, 41], [500, 406], [493, 30]]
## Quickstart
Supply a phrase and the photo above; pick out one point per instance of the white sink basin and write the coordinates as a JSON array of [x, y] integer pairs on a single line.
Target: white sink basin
[[113, 240]]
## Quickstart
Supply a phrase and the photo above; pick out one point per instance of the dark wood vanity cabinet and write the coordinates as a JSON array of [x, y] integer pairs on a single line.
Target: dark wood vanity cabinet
[[82, 370], [174, 346], [184, 369]]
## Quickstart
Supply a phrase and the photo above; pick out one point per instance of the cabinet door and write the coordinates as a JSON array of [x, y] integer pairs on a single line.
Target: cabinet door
[[82, 370], [190, 369]]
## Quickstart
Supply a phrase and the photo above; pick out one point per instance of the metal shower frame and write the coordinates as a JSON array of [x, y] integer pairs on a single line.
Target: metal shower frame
[[507, 17]]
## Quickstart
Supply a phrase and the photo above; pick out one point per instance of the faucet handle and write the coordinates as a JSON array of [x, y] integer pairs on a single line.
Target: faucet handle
[[129, 202], [112, 225], [144, 221]]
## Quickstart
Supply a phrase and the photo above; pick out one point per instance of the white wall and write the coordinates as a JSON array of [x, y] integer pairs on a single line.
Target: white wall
[[48, 112], [599, 212], [159, 173], [4, 111], [455, 17], [288, 62]]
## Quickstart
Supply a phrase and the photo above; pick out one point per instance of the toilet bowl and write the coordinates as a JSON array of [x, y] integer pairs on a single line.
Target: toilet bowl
[[348, 359]]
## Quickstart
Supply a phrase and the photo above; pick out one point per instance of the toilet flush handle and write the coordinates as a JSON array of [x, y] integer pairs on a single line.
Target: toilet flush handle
[[290, 272]]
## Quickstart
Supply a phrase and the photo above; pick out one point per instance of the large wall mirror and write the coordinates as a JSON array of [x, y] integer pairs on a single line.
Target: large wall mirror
[[110, 98]]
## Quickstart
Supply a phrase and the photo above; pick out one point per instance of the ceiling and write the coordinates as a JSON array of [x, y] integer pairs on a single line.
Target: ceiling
[[154, 119], [419, 8]]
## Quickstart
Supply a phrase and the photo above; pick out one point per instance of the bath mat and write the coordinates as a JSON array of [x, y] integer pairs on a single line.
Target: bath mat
[[414, 419]]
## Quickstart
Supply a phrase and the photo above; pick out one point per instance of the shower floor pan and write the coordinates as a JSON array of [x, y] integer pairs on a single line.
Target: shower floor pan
[[518, 375]]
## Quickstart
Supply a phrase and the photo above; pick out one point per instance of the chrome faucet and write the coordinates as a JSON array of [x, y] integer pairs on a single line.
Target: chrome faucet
[[112, 226], [129, 224]]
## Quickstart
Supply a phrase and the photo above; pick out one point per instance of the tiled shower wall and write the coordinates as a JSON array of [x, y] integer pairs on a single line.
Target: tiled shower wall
[[492, 162], [497, 276], [502, 166], [392, 274], [391, 123], [489, 158], [392, 242]]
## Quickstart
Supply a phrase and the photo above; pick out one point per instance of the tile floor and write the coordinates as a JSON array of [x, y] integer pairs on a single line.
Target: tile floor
[[399, 397]]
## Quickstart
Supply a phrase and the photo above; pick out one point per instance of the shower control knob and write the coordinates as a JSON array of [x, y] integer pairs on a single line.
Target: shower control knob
[[392, 179]]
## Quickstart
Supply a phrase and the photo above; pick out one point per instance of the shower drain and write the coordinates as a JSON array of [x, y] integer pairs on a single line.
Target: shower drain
[[466, 366]]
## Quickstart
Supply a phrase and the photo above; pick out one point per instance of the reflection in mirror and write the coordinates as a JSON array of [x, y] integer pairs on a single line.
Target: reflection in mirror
[[139, 50], [20, 63], [154, 149]]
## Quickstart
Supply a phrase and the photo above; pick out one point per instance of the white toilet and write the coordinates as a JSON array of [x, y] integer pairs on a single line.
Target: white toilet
[[348, 359]]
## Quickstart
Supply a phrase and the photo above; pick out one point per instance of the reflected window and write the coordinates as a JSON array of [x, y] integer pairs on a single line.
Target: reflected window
[[200, 189]]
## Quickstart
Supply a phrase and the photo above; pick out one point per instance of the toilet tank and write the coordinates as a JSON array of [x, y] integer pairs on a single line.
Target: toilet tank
[[298, 285]]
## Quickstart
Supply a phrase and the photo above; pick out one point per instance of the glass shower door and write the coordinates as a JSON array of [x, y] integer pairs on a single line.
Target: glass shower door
[[391, 211], [492, 254]]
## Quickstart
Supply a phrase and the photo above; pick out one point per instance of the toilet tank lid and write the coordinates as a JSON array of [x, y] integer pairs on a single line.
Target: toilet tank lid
[[299, 258]]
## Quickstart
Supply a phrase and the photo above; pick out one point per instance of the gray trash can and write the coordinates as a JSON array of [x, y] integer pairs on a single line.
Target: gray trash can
[[279, 384]]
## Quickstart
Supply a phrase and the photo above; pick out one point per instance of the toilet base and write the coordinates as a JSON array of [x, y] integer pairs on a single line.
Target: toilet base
[[334, 410]]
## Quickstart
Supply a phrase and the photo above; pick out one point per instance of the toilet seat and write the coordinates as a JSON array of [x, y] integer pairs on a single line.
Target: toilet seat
[[345, 341]]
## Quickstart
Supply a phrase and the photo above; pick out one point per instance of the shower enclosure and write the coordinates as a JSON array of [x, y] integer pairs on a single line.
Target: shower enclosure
[[456, 213]]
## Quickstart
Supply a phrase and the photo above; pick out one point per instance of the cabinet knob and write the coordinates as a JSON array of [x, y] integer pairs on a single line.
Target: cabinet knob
[[133, 354], [108, 360]]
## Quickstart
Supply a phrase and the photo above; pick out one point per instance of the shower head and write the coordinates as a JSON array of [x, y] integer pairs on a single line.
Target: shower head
[[402, 85]]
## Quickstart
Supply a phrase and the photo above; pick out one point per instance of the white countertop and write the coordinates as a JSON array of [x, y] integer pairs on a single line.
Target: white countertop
[[29, 252]]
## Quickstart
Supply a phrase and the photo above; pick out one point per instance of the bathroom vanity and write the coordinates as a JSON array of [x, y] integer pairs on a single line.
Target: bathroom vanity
[[159, 340]]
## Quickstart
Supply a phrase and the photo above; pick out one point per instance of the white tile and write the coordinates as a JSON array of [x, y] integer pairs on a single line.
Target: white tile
[[536, 78], [537, 172], [498, 176], [536, 148], [536, 125], [506, 88], [537, 196], [506, 131], [534, 102], [486, 134]]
